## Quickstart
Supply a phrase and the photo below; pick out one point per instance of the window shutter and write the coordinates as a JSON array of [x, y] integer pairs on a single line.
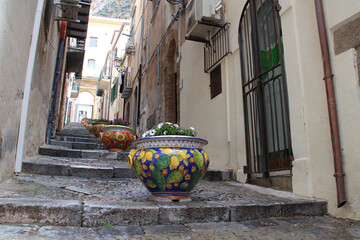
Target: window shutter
[[215, 81]]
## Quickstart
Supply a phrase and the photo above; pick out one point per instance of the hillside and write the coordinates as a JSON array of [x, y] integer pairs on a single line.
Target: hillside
[[111, 8]]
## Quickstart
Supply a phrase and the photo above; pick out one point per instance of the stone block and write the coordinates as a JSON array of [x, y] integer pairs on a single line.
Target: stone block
[[53, 169], [217, 175], [303, 208], [247, 210], [91, 172], [103, 154], [193, 212], [16, 230], [115, 213], [71, 153], [67, 232], [83, 139], [124, 172], [56, 212], [219, 226], [80, 145], [123, 156], [62, 143], [166, 229], [122, 232]]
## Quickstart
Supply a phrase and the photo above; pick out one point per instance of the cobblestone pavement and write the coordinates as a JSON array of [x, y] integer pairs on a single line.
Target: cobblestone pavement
[[272, 228]]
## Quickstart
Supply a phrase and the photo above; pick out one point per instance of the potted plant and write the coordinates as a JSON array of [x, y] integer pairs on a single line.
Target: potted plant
[[117, 135], [97, 126], [169, 160]]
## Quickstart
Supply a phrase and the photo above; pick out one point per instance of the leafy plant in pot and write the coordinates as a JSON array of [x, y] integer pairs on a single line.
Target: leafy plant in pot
[[169, 160]]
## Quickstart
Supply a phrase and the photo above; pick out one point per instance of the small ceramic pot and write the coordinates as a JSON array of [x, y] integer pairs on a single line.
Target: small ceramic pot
[[116, 138], [169, 166]]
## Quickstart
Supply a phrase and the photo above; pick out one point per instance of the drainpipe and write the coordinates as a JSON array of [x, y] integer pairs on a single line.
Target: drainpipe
[[27, 88], [59, 59], [331, 102], [158, 86]]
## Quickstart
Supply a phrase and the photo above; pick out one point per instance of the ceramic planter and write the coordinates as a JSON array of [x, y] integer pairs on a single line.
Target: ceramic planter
[[169, 166], [97, 128], [116, 137]]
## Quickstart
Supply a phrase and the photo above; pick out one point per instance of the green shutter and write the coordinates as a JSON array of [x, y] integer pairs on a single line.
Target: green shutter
[[114, 90]]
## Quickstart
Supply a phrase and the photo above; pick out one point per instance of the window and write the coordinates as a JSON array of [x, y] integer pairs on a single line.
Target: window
[[91, 63], [215, 81], [93, 41]]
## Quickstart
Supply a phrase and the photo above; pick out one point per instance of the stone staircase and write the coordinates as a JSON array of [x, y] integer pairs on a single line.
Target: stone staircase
[[75, 182]]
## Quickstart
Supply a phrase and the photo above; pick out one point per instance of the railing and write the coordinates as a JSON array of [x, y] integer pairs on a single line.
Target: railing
[[217, 49]]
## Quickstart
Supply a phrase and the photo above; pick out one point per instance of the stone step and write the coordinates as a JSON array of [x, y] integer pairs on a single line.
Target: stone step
[[77, 134], [76, 139], [77, 167], [70, 201], [60, 151], [79, 145], [96, 168]]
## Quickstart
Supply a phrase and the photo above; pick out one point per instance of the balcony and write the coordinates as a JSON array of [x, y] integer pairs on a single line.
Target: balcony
[[77, 30], [74, 91]]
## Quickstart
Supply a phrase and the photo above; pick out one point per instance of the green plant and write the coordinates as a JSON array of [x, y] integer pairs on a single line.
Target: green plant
[[105, 224], [167, 128]]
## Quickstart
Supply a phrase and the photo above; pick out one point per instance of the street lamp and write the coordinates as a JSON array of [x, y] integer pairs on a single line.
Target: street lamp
[[117, 64]]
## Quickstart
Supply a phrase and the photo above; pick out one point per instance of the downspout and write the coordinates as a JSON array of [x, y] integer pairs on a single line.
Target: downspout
[[27, 88], [331, 102], [59, 59], [158, 86], [179, 38]]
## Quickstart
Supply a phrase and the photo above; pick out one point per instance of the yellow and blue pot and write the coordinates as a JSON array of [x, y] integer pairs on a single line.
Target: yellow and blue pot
[[169, 166]]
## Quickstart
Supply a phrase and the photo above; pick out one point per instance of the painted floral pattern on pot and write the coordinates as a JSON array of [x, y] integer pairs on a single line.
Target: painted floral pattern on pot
[[116, 138], [169, 171], [97, 128]]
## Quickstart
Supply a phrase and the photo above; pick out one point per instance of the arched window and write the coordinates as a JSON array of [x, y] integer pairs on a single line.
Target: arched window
[[267, 128], [91, 63]]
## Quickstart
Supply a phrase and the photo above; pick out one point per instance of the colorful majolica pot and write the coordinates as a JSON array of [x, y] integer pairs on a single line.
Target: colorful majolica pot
[[116, 137], [97, 128], [169, 166]]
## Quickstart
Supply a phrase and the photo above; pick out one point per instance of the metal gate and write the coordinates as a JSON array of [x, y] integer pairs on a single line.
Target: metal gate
[[268, 142]]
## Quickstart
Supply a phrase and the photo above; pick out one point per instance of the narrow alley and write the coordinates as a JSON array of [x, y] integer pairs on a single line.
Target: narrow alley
[[72, 191], [179, 119]]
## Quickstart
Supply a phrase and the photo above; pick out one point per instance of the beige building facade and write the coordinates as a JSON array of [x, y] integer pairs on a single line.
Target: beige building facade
[[34, 54], [100, 37], [268, 121]]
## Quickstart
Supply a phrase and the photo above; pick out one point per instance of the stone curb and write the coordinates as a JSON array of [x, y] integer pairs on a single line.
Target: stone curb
[[57, 212], [111, 171], [79, 145], [76, 139], [93, 213], [59, 169], [58, 151]]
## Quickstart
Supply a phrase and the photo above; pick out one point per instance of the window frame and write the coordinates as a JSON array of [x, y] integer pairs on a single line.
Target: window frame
[[215, 81]]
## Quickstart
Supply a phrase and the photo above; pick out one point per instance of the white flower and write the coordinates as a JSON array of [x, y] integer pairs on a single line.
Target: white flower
[[152, 132], [182, 131], [144, 135], [160, 125], [175, 125], [169, 123], [192, 129], [164, 132]]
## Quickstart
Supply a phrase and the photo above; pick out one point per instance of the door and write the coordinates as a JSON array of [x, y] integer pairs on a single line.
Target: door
[[267, 129]]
